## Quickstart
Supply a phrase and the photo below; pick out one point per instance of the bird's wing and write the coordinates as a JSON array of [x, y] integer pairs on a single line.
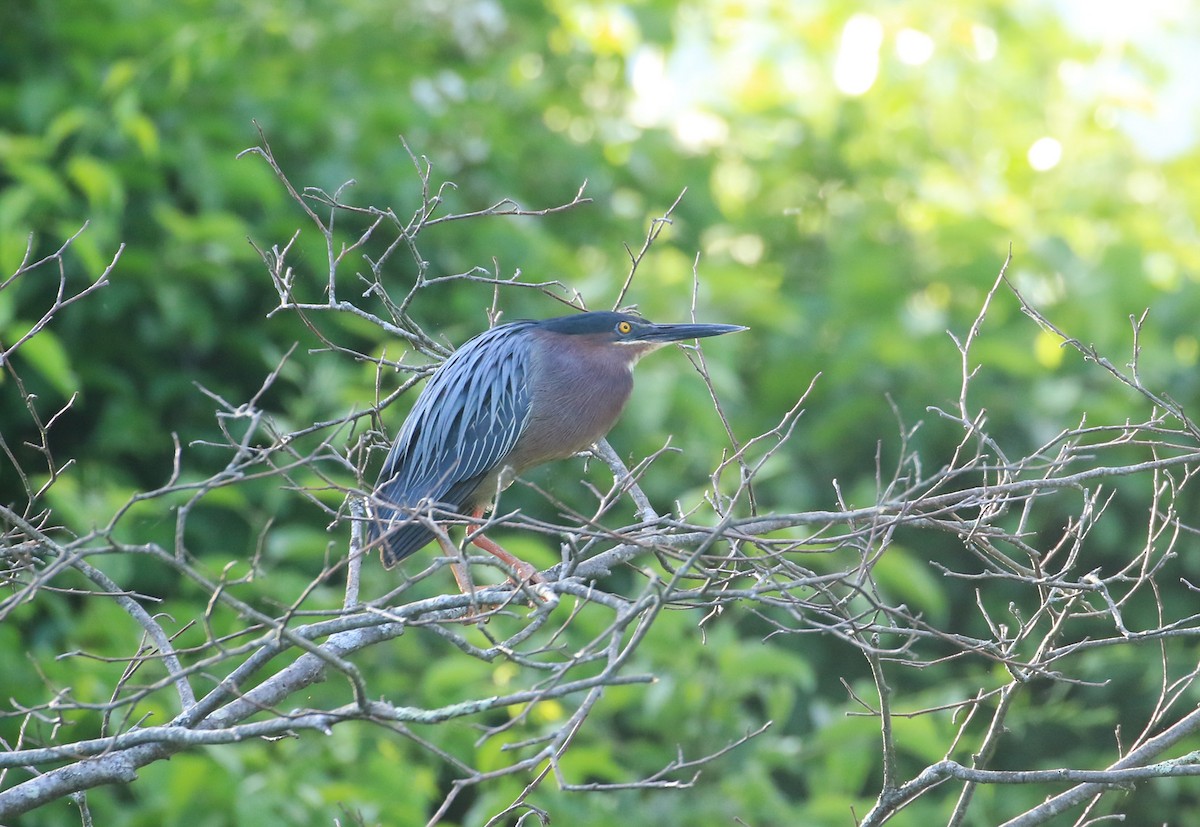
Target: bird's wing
[[463, 425]]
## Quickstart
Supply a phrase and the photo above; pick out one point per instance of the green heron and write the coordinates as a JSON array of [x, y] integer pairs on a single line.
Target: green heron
[[516, 396]]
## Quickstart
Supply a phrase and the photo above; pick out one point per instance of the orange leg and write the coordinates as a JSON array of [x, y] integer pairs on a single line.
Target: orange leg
[[458, 566], [526, 571], [462, 577]]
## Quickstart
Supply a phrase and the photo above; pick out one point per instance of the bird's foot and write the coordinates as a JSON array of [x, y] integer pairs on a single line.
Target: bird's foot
[[533, 584], [527, 577]]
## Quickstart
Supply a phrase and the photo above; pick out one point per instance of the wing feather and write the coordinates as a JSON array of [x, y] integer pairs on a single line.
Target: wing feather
[[465, 422]]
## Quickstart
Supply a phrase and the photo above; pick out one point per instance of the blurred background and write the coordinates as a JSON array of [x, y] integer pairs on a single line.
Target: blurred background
[[855, 175]]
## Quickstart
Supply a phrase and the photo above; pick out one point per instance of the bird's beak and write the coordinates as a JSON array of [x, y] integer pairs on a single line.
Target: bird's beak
[[661, 334]]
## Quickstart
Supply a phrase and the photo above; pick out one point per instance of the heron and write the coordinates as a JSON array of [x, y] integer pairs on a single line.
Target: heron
[[516, 396]]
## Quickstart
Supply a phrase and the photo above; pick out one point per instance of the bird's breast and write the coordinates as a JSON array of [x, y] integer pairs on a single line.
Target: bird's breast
[[576, 398]]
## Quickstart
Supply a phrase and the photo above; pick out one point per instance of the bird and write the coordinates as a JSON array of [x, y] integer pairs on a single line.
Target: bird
[[516, 396]]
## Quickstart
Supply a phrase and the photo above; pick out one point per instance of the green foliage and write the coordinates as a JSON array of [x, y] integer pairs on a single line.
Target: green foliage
[[850, 232]]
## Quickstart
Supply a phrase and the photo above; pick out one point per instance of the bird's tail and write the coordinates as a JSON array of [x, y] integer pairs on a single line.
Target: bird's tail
[[395, 534]]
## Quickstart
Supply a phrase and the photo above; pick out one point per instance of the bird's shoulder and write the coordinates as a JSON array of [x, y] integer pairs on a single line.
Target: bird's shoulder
[[470, 413]]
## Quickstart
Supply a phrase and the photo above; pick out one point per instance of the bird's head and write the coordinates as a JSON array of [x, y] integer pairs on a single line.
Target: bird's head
[[626, 336]]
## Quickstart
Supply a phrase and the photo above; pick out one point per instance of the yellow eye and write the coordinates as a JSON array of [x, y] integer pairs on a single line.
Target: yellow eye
[[624, 327]]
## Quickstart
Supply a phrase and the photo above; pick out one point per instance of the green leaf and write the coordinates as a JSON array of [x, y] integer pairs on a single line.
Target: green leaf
[[47, 355], [96, 179]]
